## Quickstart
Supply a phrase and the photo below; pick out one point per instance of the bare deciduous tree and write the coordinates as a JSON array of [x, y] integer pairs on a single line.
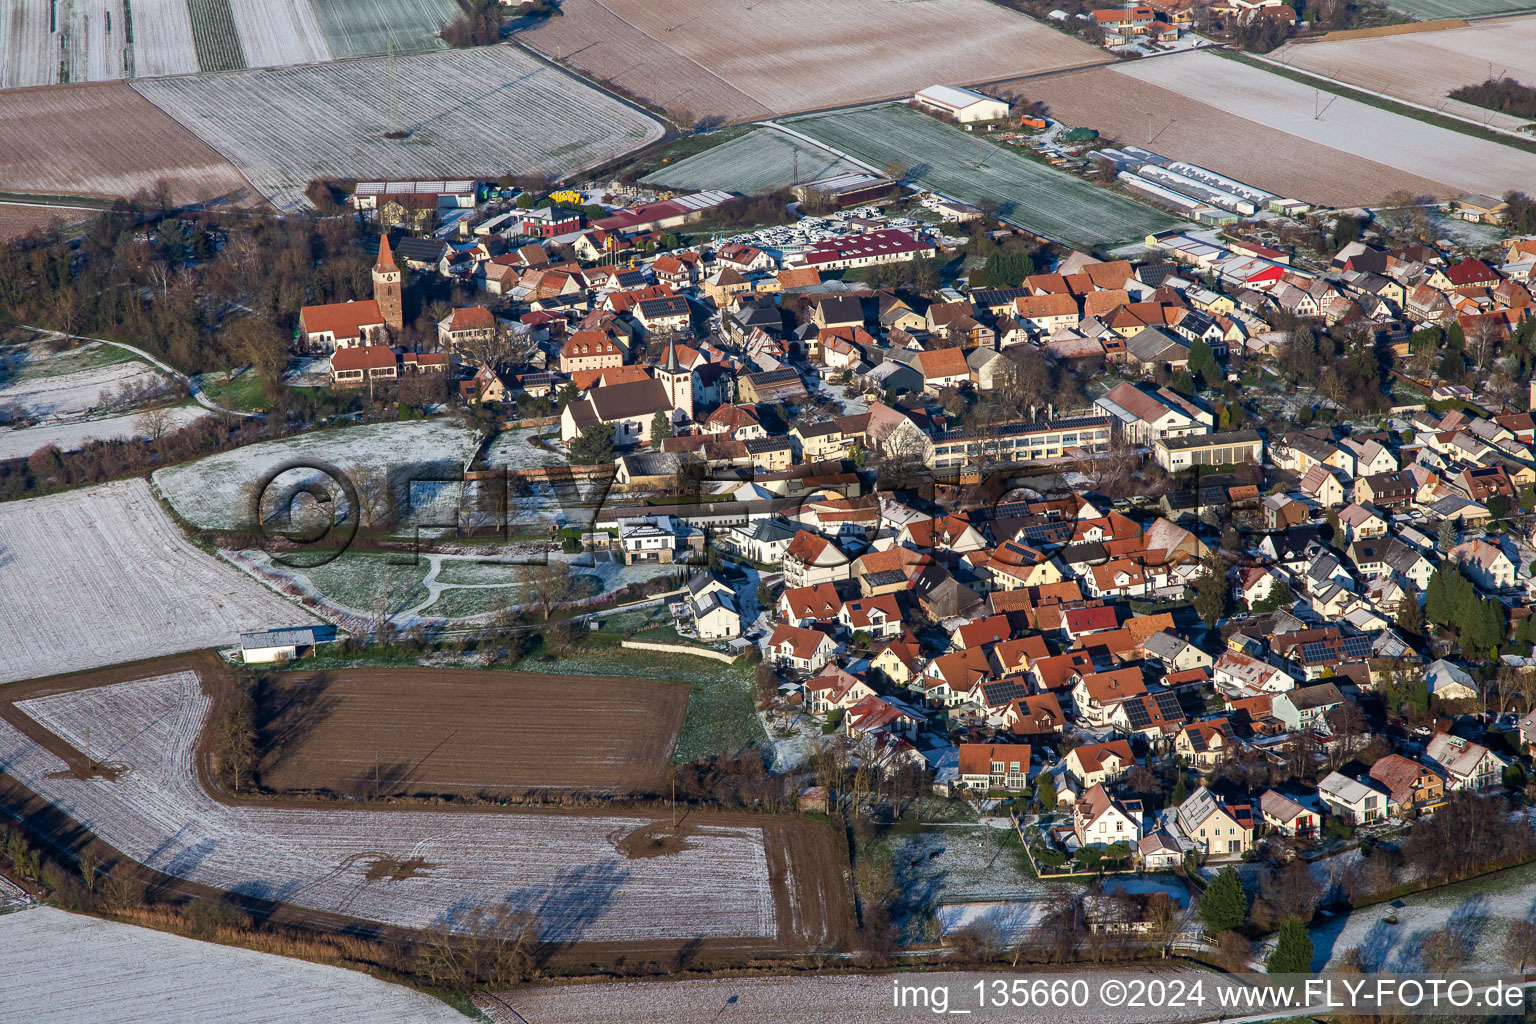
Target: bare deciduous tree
[[155, 423], [493, 947]]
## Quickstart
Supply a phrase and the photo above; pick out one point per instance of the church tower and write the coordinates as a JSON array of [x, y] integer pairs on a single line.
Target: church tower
[[678, 381], [386, 288]]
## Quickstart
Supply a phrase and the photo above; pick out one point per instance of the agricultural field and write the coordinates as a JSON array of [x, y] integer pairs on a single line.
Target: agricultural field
[[285, 126], [369, 28], [1425, 67], [212, 493], [1430, 10], [17, 219], [1459, 163], [585, 877], [71, 382], [1184, 128], [74, 434], [55, 42], [152, 977], [433, 732], [796, 55], [759, 161], [1034, 196], [108, 141], [102, 575]]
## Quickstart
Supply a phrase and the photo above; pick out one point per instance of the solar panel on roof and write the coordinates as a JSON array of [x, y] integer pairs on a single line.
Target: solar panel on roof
[[1136, 711], [1168, 704], [1004, 692]]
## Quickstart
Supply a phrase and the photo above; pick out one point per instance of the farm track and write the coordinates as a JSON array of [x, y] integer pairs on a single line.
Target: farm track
[[809, 901]]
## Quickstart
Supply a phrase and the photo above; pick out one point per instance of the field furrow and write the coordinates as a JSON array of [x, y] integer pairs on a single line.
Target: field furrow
[[162, 38], [274, 34], [283, 127], [214, 36], [369, 28], [760, 161]]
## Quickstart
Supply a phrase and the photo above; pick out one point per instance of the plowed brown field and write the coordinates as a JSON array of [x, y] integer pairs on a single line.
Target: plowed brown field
[[105, 140], [429, 732]]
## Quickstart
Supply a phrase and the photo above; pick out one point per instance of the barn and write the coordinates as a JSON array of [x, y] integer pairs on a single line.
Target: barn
[[963, 105]]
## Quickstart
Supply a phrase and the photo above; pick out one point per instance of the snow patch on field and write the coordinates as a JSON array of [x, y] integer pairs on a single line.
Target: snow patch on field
[[101, 575], [208, 492], [73, 435], [75, 393], [563, 868], [63, 967]]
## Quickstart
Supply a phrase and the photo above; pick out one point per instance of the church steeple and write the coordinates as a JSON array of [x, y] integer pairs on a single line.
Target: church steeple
[[677, 380], [386, 287]]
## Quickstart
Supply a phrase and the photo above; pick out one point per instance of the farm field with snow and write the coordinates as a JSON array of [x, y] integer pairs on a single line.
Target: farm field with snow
[[74, 434], [759, 161], [1184, 127], [808, 999], [101, 575], [1478, 911], [836, 56], [285, 126], [585, 877], [151, 977], [1041, 199], [438, 731], [1460, 163], [44, 383], [212, 493], [1429, 10], [1425, 67], [105, 140]]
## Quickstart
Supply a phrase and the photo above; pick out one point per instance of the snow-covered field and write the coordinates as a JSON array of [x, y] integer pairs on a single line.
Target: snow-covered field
[[71, 435], [78, 392], [101, 575], [208, 492], [1460, 162], [1479, 911], [284, 126], [562, 867], [64, 967]]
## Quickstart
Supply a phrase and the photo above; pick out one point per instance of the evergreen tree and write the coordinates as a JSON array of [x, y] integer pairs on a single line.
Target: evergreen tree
[[594, 445], [1293, 951], [1212, 595], [1410, 617], [1202, 364], [1045, 792], [1180, 792], [661, 427], [1224, 906]]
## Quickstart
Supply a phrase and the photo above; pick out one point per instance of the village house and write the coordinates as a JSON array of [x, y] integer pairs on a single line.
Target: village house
[[1099, 819], [1466, 765], [805, 650], [1095, 763], [1214, 827], [989, 766]]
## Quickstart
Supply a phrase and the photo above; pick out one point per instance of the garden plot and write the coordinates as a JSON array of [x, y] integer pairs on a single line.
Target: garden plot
[[1425, 67], [759, 161], [1186, 128], [849, 52], [512, 449], [67, 967], [101, 575], [567, 869], [213, 493], [1038, 198], [1460, 163], [284, 127], [105, 140]]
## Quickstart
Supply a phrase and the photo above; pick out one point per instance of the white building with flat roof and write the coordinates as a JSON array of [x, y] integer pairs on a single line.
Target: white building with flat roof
[[963, 105]]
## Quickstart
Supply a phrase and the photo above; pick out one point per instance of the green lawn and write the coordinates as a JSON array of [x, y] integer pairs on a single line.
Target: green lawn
[[1033, 195], [241, 390], [358, 578]]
